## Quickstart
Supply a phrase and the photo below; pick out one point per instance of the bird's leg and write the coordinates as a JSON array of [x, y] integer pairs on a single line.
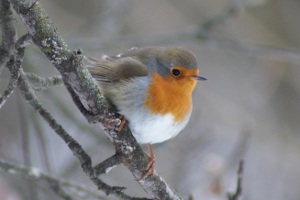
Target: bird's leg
[[150, 166]]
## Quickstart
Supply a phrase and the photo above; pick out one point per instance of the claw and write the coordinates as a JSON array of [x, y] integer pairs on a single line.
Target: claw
[[150, 166]]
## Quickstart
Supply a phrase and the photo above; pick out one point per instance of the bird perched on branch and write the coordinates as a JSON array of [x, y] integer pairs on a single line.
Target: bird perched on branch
[[151, 87]]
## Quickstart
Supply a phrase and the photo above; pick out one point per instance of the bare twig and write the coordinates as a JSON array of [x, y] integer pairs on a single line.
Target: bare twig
[[10, 88], [24, 41], [238, 192], [20, 44], [8, 28], [39, 83], [105, 166]]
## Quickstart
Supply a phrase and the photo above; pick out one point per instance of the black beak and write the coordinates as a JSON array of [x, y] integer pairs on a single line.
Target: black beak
[[199, 78]]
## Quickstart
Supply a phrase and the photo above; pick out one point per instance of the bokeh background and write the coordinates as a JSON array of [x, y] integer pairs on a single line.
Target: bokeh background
[[247, 109]]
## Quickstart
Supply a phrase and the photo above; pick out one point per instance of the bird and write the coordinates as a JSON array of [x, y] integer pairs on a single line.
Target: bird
[[151, 87]]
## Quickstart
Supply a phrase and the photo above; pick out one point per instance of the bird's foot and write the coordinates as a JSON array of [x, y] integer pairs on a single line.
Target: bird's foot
[[150, 166]]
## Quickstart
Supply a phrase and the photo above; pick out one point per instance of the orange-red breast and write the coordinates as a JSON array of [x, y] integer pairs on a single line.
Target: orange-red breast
[[152, 87]]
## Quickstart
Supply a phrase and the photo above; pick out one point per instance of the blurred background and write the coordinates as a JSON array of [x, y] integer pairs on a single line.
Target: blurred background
[[247, 109]]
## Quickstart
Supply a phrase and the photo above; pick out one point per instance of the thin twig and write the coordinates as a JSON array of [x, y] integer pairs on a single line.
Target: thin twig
[[105, 166], [8, 28], [24, 41], [238, 192], [39, 83], [20, 44], [10, 88]]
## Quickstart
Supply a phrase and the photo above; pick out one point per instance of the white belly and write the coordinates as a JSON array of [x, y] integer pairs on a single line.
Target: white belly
[[149, 128]]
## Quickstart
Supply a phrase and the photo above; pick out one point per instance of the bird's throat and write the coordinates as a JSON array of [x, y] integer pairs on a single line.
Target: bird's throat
[[170, 96]]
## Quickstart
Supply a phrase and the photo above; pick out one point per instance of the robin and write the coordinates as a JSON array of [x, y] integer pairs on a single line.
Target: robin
[[152, 88]]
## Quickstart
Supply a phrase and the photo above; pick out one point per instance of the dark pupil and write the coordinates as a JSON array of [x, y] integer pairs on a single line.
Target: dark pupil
[[176, 72]]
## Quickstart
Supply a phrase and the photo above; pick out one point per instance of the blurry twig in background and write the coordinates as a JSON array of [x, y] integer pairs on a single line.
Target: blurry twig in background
[[200, 33], [60, 187], [280, 53], [238, 192]]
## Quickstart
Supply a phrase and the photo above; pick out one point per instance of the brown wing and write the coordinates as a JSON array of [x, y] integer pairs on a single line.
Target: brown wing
[[115, 69]]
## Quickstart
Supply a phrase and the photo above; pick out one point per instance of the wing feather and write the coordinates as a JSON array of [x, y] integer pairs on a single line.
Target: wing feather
[[115, 69]]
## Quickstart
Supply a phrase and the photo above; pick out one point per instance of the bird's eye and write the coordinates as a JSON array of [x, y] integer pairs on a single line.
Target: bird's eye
[[176, 72]]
